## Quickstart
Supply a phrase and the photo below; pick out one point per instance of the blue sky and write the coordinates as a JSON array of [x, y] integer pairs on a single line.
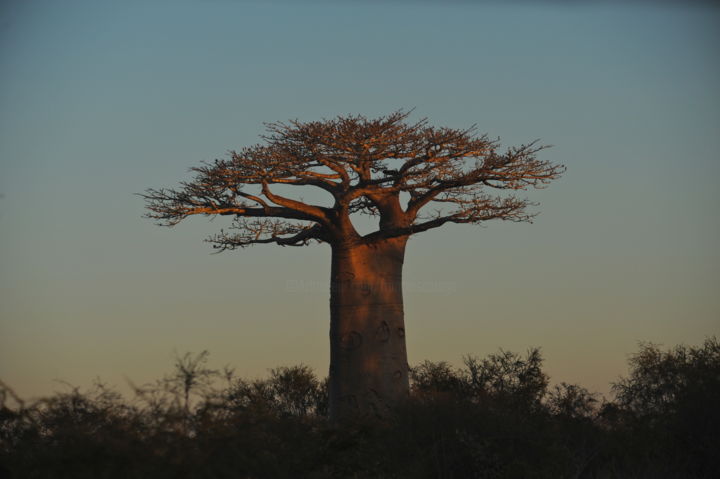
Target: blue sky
[[100, 100]]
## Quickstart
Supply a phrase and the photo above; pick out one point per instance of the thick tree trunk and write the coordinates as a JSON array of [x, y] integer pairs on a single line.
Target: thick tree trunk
[[368, 359]]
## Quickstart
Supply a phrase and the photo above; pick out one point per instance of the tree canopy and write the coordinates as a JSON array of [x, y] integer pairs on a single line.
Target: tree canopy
[[446, 174]]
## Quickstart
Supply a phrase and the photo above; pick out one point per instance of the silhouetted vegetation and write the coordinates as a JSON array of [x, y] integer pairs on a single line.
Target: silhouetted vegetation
[[492, 418]]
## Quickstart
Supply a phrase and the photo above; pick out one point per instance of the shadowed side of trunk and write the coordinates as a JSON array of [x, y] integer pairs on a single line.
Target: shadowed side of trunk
[[368, 358]]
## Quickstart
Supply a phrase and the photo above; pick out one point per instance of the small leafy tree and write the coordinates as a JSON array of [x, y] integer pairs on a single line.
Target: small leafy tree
[[667, 408], [508, 376], [190, 375], [572, 401]]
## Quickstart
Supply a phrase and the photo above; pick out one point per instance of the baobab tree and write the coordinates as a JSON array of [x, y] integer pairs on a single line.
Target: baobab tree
[[412, 176]]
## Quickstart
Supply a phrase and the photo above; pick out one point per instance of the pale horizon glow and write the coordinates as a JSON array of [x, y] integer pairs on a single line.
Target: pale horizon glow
[[101, 100]]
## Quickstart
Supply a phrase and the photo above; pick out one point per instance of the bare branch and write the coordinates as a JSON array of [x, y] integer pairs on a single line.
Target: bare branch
[[265, 231], [317, 213], [474, 210], [169, 207]]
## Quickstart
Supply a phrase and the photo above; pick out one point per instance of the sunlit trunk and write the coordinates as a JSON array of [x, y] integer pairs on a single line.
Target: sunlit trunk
[[368, 358]]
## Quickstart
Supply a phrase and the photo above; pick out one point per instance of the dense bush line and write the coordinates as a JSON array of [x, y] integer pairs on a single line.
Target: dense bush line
[[492, 418]]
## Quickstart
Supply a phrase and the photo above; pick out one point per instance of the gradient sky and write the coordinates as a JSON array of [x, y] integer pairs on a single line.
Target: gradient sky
[[100, 100]]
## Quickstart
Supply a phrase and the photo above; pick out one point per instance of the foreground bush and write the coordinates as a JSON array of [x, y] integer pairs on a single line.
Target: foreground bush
[[493, 418]]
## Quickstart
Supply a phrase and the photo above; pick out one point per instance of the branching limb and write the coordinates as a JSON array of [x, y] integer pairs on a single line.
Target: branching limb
[[265, 231], [517, 169], [364, 206], [169, 207], [317, 213], [474, 210]]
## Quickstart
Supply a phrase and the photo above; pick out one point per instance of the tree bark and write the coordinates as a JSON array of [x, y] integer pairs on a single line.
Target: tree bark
[[368, 358]]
